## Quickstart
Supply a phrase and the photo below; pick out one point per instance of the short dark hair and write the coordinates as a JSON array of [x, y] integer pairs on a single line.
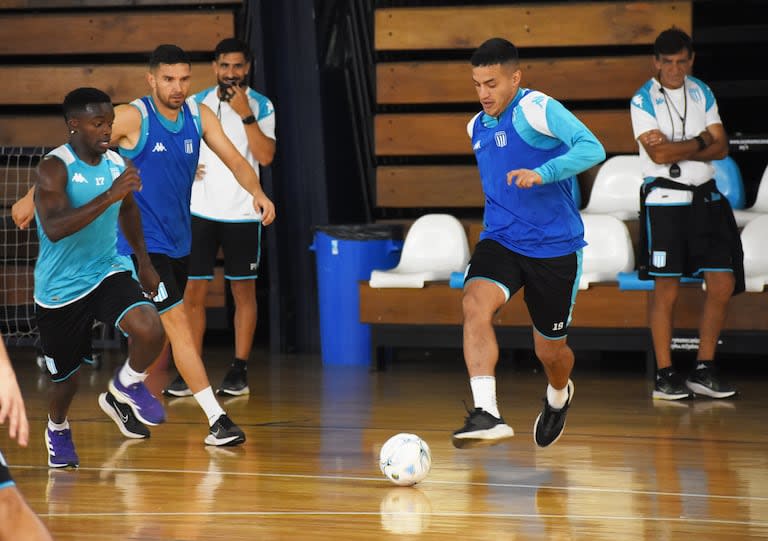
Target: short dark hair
[[168, 54], [672, 41], [232, 45], [78, 100], [494, 51]]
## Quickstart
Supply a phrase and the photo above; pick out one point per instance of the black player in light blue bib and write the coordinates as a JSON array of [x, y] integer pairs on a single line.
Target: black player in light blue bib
[[83, 191]]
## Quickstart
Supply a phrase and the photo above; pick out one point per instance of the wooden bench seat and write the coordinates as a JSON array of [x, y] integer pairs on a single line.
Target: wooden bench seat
[[445, 134], [529, 25], [451, 81], [108, 32], [604, 318], [32, 85]]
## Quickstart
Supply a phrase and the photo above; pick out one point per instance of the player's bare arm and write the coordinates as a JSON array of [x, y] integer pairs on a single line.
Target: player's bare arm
[[523, 178], [23, 210], [57, 216], [126, 128], [218, 141], [261, 146], [11, 403], [661, 150], [130, 223]]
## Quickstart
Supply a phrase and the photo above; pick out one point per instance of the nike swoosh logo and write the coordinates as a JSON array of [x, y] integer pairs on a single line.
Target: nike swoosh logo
[[123, 417]]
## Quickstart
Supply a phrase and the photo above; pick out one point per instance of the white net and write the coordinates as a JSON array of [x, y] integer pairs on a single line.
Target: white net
[[18, 248]]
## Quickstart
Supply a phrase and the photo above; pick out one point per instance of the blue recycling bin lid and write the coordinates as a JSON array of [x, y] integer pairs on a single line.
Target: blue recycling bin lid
[[362, 231]]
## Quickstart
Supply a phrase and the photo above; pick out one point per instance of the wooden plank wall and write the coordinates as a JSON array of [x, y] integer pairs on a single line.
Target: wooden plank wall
[[587, 54], [49, 47]]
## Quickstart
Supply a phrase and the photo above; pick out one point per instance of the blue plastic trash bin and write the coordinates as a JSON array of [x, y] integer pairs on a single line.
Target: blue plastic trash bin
[[346, 254]]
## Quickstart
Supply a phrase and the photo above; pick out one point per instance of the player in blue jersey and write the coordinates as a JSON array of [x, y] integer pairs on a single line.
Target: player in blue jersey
[[82, 191], [687, 227], [222, 213], [528, 147], [19, 521], [162, 134]]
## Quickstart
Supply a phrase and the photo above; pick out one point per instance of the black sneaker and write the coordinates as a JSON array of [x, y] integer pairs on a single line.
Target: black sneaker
[[225, 432], [481, 428], [178, 387], [706, 381], [550, 423], [123, 417], [235, 383], [669, 386]]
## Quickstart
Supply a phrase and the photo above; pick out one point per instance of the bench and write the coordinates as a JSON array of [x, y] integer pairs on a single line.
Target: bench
[[604, 319]]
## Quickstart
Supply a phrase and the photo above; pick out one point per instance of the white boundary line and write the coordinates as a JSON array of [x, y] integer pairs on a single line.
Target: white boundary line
[[426, 483], [525, 516]]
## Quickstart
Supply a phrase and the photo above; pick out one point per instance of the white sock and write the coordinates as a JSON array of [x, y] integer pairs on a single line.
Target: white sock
[[57, 426], [210, 405], [557, 398], [129, 376], [484, 394]]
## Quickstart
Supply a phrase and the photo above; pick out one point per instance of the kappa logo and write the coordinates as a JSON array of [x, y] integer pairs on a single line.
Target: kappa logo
[[476, 146], [79, 179], [159, 147], [539, 100], [637, 100], [254, 266], [659, 101]]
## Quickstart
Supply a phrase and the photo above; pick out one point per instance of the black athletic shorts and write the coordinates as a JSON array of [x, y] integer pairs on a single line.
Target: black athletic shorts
[[66, 331], [5, 475], [240, 241], [550, 283], [669, 251], [173, 275]]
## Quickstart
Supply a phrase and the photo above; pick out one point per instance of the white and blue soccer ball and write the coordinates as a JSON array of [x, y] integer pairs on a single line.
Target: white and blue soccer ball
[[405, 459]]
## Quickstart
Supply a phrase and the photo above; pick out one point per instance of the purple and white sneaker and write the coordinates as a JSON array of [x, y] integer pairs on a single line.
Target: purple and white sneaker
[[145, 407]]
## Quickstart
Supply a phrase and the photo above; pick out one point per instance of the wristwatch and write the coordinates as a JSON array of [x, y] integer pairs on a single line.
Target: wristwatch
[[250, 119], [699, 139]]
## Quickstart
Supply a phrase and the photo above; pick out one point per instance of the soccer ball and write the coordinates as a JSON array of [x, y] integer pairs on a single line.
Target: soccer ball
[[405, 459]]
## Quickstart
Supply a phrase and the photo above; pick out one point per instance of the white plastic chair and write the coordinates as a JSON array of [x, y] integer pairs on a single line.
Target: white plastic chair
[[743, 217], [435, 246], [755, 255], [616, 190], [608, 251]]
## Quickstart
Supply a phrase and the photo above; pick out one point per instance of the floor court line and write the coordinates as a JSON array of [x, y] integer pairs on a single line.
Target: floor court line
[[524, 516], [601, 490]]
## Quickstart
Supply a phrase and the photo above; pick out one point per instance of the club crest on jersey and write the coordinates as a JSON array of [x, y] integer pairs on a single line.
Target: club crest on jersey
[[659, 259], [695, 94], [188, 147], [501, 138]]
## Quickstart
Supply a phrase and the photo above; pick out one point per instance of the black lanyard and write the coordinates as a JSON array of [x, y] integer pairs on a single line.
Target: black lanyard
[[671, 106]]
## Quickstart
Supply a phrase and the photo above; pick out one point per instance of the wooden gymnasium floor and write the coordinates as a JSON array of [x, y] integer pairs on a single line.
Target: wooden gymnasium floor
[[626, 469]]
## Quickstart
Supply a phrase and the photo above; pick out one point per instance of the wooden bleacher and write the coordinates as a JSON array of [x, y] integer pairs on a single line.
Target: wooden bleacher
[[596, 84], [54, 46], [425, 97], [604, 318]]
